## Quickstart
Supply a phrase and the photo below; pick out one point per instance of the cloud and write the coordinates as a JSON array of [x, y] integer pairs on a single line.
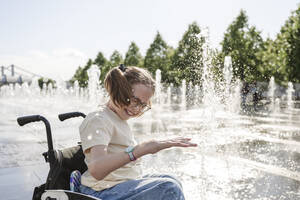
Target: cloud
[[68, 52], [38, 54]]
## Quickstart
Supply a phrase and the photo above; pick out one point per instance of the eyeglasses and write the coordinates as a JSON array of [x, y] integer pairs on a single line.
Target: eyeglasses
[[137, 103]]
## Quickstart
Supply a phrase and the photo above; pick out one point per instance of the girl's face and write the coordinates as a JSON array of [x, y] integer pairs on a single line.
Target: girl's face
[[139, 102]]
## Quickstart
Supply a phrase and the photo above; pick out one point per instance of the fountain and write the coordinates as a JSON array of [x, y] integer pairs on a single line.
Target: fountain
[[239, 156], [227, 73], [183, 95], [169, 96], [271, 94], [93, 84], [289, 92], [232, 97]]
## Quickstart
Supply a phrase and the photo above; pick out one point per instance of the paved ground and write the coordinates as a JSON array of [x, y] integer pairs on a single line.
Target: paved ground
[[18, 182]]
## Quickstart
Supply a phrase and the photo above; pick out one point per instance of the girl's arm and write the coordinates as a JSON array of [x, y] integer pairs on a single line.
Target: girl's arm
[[101, 163]]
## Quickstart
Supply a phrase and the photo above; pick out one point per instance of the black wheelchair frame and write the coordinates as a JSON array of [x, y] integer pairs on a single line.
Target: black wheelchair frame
[[61, 162]]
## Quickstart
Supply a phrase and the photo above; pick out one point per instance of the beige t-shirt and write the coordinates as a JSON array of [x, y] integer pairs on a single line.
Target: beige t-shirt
[[104, 127]]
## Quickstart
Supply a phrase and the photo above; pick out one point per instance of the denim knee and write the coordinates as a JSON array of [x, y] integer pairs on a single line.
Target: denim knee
[[171, 190], [173, 179], [165, 177]]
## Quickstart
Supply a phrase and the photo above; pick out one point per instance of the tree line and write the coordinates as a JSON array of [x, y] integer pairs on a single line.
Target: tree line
[[253, 58]]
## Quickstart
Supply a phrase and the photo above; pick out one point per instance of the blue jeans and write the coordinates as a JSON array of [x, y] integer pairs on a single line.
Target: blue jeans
[[150, 187]]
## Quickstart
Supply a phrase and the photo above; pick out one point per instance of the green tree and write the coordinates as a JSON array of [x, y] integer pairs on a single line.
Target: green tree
[[81, 74], [242, 43], [187, 62], [133, 56], [158, 57], [100, 60], [102, 64], [271, 62], [116, 59], [76, 76], [288, 47], [217, 65], [42, 81]]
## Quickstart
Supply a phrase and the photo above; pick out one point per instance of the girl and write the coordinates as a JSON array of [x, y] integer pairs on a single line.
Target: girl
[[111, 152]]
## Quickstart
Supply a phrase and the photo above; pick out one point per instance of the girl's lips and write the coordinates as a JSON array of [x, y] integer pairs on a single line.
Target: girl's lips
[[131, 114], [128, 112]]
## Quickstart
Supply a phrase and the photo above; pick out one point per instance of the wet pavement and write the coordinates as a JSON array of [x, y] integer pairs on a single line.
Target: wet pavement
[[18, 182]]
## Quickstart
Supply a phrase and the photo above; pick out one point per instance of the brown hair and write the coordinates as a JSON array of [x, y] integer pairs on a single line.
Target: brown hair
[[119, 80]]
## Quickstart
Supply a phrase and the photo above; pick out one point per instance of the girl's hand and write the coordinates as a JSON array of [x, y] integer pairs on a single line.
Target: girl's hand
[[156, 146]]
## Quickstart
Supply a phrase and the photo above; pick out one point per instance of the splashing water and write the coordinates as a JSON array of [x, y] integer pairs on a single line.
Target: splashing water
[[238, 156], [183, 95], [93, 84], [290, 91], [271, 93]]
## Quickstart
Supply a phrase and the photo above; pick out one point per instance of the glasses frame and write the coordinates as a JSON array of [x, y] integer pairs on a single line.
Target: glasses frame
[[137, 103]]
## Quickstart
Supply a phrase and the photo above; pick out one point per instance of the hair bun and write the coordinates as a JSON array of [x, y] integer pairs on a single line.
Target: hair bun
[[122, 67]]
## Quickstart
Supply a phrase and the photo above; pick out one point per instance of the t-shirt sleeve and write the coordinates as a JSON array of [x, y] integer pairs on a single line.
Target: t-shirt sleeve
[[95, 131]]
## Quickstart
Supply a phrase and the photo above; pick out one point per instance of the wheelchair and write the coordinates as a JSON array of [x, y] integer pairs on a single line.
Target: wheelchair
[[61, 162]]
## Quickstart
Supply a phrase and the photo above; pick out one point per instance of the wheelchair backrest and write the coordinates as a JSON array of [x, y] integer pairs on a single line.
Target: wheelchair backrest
[[66, 161]]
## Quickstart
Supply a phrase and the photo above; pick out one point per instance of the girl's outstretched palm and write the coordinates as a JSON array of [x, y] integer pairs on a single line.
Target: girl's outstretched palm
[[156, 146]]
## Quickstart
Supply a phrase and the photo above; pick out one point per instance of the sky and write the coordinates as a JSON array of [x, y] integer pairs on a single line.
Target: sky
[[53, 37]]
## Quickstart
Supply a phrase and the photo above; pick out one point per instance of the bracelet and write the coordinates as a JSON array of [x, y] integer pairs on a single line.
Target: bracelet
[[129, 151]]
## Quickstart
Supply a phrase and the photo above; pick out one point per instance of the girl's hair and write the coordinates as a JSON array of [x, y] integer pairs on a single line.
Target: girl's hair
[[119, 81]]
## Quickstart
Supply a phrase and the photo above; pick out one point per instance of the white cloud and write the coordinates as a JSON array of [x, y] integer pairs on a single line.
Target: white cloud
[[38, 54], [68, 52]]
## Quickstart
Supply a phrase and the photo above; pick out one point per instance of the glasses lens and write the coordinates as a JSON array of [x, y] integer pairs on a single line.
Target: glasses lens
[[137, 104], [146, 108]]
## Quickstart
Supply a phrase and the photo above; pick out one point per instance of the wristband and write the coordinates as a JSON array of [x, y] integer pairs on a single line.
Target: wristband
[[129, 151]]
